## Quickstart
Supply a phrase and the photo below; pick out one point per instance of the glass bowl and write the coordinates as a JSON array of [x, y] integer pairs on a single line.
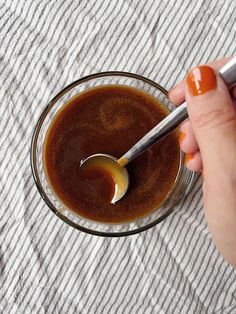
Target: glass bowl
[[182, 184]]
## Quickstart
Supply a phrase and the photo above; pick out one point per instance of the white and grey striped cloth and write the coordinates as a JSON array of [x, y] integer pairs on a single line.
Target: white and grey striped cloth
[[45, 265]]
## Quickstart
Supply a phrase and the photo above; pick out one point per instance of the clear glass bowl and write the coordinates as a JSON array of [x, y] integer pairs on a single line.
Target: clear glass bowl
[[182, 184]]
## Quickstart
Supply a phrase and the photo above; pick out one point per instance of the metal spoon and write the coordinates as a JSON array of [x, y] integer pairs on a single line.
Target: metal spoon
[[116, 167]]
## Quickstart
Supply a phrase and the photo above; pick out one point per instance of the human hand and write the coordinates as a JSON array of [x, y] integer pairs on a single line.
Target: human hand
[[209, 141]]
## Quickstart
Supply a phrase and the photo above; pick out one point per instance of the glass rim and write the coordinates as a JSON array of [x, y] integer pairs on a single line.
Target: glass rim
[[33, 159]]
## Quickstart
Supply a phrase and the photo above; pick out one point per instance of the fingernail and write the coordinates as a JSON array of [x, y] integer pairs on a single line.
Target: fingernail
[[181, 137], [201, 80], [188, 157]]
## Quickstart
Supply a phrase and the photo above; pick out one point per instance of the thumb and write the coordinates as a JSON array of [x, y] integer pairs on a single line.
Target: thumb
[[213, 120]]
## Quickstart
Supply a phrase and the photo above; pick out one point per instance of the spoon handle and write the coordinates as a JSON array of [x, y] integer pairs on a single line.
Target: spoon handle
[[228, 73]]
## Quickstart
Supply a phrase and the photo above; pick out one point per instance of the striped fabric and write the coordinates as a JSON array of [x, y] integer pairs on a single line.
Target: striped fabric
[[45, 265]]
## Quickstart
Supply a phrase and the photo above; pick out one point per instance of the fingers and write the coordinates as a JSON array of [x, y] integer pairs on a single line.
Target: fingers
[[213, 119], [188, 142]]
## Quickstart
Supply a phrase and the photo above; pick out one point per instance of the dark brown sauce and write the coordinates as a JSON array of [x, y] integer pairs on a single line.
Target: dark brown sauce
[[109, 119]]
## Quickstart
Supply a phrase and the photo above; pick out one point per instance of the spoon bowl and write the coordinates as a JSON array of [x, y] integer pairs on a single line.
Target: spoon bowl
[[112, 167]]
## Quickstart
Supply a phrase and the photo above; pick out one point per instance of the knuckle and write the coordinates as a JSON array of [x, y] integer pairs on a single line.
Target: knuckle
[[213, 118]]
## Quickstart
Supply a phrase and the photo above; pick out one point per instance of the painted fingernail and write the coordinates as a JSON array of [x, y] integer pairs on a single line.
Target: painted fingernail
[[201, 80], [188, 157], [181, 137]]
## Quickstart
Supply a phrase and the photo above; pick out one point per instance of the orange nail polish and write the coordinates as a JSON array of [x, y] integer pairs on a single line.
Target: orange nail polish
[[181, 137], [201, 80], [189, 157]]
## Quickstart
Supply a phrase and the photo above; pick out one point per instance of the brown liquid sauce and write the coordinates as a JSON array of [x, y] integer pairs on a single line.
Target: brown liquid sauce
[[109, 119]]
